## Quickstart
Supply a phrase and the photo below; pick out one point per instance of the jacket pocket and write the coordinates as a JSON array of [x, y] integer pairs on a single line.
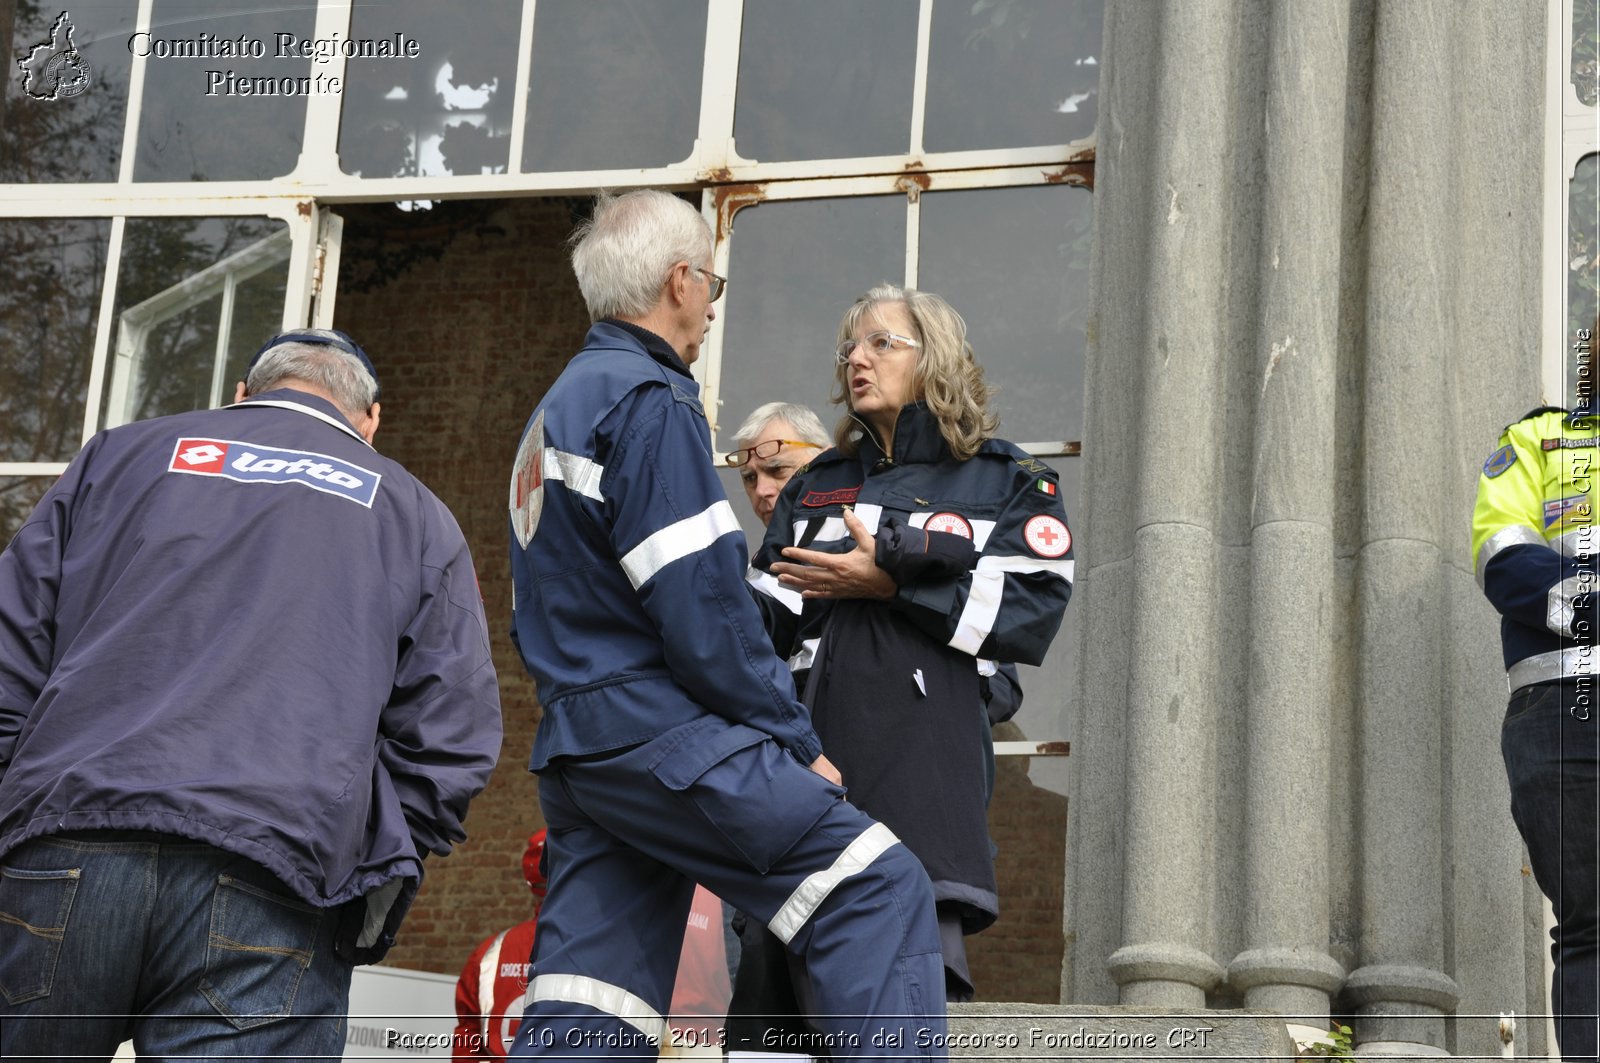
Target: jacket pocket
[[742, 782]]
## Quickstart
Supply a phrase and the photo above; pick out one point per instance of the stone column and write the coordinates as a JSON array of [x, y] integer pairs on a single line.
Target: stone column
[[1170, 798], [1285, 964]]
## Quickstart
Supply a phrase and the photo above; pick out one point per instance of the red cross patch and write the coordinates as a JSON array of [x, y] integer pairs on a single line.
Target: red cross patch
[[953, 523], [1047, 536]]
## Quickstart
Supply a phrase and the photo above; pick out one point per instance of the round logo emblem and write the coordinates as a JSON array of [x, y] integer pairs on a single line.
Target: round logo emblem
[[953, 523], [527, 484], [68, 74], [1047, 536]]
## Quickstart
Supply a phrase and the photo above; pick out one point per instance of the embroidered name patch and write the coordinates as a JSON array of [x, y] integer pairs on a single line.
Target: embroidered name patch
[[845, 496], [1568, 443], [248, 463]]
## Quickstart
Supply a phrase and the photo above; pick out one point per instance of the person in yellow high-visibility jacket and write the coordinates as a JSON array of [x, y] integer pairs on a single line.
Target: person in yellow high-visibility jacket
[[1537, 551]]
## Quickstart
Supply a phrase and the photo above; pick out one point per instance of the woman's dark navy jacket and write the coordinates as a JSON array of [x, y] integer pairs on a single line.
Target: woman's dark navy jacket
[[983, 557]]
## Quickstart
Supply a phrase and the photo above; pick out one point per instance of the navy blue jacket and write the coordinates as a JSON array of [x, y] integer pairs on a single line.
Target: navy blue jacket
[[982, 555], [630, 609], [247, 627]]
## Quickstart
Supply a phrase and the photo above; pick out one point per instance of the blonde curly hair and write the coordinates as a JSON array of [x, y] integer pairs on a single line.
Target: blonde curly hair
[[947, 375]]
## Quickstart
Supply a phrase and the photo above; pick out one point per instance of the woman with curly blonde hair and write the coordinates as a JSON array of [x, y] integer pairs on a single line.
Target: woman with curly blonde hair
[[898, 567]]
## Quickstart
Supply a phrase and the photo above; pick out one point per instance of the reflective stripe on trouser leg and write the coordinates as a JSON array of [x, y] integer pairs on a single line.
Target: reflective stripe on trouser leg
[[809, 895], [602, 996]]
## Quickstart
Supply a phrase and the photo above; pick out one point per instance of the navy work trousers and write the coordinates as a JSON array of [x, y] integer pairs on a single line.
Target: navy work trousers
[[720, 803], [1551, 744]]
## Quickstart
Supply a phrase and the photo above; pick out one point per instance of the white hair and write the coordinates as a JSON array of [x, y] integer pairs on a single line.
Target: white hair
[[336, 371], [807, 425], [623, 253]]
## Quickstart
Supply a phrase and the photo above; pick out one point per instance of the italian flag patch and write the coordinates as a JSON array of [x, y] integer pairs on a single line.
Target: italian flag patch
[[1045, 487]]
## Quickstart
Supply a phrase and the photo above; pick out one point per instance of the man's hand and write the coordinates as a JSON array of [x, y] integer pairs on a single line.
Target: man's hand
[[823, 575], [824, 767]]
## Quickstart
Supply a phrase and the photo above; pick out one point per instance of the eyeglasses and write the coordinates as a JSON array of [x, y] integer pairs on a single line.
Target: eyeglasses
[[769, 449], [877, 343], [717, 283]]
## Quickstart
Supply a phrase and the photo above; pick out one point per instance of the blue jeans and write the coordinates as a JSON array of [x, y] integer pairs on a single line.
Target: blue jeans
[[184, 948], [1551, 744]]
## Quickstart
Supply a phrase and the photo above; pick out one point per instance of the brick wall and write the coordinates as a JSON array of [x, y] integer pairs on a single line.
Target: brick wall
[[470, 311]]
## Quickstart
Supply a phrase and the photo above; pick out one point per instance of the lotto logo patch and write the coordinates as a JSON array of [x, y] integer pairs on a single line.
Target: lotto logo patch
[[242, 462], [1047, 536]]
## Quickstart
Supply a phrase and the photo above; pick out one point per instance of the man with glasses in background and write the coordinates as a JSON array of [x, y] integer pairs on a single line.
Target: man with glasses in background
[[774, 441], [672, 748]]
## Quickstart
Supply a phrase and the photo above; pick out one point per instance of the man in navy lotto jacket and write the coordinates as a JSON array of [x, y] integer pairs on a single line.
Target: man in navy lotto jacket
[[245, 687], [672, 747]]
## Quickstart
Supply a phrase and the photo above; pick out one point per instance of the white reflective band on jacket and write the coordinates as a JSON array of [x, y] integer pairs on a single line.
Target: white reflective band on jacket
[[809, 895], [768, 584], [602, 996], [488, 967], [579, 473], [988, 587], [687, 536], [1517, 534], [1557, 664]]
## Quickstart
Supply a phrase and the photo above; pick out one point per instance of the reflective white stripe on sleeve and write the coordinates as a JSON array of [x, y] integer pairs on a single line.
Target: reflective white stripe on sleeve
[[806, 657], [602, 996], [1574, 543], [1061, 566], [768, 584], [809, 895], [1512, 536], [687, 536], [988, 587], [1559, 612], [579, 473], [978, 615]]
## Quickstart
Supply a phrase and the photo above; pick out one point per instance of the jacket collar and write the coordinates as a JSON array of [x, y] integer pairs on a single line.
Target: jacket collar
[[605, 330], [302, 402], [917, 440]]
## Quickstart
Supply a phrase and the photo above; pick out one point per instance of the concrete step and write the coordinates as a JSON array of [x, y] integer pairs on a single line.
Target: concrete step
[[1081, 1031]]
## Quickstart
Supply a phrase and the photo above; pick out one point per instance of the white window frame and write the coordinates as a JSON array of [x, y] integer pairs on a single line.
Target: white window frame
[[720, 206]]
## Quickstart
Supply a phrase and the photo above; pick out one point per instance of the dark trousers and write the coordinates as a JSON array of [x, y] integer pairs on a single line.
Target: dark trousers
[[1551, 744]]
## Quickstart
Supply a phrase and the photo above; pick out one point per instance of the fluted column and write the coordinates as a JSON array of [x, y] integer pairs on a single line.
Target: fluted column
[[1285, 963], [1170, 798], [1400, 989]]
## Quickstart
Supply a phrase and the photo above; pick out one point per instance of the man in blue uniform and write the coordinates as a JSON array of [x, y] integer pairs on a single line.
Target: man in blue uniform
[[245, 687], [672, 748], [1537, 548]]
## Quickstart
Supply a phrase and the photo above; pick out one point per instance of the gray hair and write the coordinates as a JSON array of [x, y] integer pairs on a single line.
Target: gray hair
[[623, 253], [807, 425], [338, 372]]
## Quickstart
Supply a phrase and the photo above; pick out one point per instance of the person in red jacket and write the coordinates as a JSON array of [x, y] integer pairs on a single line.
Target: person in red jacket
[[496, 974]]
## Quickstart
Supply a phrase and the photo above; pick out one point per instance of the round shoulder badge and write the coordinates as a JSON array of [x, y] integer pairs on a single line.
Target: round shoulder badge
[[953, 523], [1500, 461], [527, 484], [1047, 536]]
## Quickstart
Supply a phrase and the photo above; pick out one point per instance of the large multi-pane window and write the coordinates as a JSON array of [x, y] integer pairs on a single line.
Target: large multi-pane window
[[171, 172]]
